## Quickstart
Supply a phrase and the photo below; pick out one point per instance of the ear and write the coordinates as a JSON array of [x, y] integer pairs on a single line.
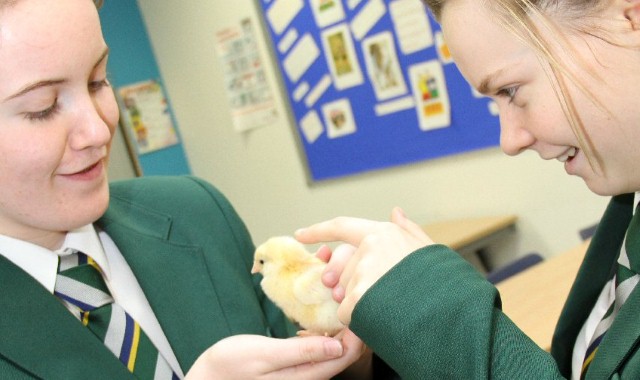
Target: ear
[[632, 13]]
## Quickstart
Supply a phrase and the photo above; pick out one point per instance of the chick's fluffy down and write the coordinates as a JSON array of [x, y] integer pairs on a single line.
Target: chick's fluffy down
[[291, 279]]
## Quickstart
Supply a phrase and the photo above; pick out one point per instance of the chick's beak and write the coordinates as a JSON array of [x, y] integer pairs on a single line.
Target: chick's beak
[[256, 268]]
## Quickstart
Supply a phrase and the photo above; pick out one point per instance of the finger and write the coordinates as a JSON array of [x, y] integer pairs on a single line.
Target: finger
[[324, 253], [296, 351], [338, 293], [345, 310], [399, 218], [350, 267], [345, 229], [352, 342], [353, 351], [356, 277], [354, 291], [336, 265], [362, 368], [347, 283]]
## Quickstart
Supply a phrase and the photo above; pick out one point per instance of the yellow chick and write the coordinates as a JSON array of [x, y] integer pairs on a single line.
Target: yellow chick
[[291, 279]]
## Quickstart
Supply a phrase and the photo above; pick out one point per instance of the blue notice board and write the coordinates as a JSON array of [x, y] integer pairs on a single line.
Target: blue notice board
[[371, 85]]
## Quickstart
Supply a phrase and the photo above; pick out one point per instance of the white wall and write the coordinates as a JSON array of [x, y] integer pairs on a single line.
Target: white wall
[[120, 164], [263, 175]]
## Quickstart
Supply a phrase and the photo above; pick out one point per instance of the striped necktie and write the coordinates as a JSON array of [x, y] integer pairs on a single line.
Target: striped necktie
[[82, 289], [625, 280]]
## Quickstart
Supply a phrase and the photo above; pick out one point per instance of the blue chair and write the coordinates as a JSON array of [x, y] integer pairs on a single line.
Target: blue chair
[[588, 232], [516, 266]]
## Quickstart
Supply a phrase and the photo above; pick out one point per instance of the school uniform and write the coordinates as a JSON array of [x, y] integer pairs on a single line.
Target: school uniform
[[190, 253], [433, 316]]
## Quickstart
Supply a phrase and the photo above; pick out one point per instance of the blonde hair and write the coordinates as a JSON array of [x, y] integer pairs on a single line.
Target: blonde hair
[[522, 18]]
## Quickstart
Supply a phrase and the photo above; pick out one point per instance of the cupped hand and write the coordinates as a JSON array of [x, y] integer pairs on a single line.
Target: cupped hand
[[379, 246], [259, 357]]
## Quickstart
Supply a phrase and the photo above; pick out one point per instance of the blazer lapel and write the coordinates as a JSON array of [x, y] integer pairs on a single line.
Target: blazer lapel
[[624, 333], [621, 337], [40, 336], [602, 253], [174, 279]]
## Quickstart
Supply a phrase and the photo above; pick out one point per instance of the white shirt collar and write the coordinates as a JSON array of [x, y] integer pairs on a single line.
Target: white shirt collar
[[85, 239], [42, 263]]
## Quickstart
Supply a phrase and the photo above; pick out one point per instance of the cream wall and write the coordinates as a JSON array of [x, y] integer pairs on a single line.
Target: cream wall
[[262, 173]]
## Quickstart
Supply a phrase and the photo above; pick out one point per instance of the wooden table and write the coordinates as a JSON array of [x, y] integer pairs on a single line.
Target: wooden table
[[534, 298], [459, 233], [471, 235]]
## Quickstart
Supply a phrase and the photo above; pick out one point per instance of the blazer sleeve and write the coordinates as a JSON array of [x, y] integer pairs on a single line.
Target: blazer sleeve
[[434, 316]]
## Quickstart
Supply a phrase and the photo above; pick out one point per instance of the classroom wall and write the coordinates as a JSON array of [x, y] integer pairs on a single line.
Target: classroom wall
[[120, 162], [132, 61], [263, 174]]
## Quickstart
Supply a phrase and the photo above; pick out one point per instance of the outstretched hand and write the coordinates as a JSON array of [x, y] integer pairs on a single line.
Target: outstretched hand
[[372, 249], [259, 357]]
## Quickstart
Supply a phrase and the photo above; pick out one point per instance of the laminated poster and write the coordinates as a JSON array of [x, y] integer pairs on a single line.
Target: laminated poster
[[147, 117], [251, 98]]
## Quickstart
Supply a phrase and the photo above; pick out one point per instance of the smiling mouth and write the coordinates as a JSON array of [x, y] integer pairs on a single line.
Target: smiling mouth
[[88, 169], [568, 155], [85, 170]]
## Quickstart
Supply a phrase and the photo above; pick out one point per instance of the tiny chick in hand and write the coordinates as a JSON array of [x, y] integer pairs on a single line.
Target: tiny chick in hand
[[291, 279]]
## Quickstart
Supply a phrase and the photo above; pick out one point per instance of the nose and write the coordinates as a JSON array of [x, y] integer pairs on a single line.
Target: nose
[[514, 137], [93, 125]]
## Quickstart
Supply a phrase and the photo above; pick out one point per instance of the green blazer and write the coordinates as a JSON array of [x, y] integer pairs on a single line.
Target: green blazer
[[433, 316], [192, 256], [618, 355]]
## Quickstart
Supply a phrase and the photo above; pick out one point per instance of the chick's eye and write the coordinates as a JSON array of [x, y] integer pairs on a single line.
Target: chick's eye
[[261, 262]]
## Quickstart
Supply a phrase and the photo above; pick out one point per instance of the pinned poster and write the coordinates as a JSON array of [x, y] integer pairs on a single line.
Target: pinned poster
[[442, 48], [338, 117], [385, 73], [341, 57], [311, 126], [146, 115], [411, 25], [251, 98], [302, 56], [327, 12], [367, 18], [282, 13], [431, 96]]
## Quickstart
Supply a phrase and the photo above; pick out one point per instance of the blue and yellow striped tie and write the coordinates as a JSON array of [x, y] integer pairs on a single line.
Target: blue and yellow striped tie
[[81, 287]]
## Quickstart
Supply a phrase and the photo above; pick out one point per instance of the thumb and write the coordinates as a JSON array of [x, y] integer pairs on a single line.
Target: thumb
[[312, 349], [399, 218]]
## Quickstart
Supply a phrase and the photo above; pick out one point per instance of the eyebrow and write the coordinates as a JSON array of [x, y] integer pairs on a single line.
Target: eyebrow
[[51, 82], [486, 85]]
